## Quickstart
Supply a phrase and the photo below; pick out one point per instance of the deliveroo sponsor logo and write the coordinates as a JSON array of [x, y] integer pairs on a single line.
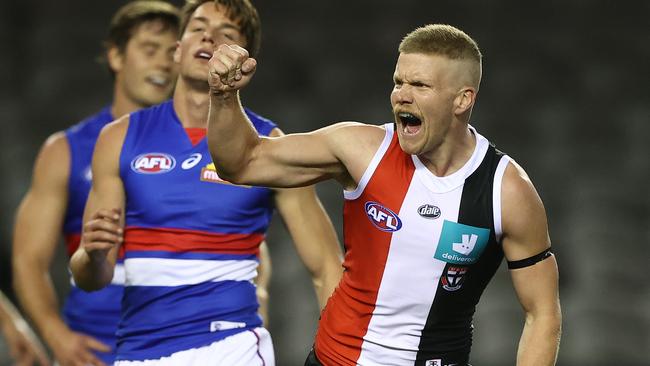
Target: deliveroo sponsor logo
[[461, 244]]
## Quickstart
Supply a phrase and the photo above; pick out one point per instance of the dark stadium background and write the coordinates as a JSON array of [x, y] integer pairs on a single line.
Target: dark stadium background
[[565, 92]]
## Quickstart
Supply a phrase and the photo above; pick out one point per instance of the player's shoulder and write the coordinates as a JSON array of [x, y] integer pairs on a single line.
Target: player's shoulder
[[114, 132], [55, 147], [358, 133], [53, 161], [517, 187], [91, 123]]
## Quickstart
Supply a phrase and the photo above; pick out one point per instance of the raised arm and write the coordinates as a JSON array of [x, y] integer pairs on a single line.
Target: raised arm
[[93, 263], [243, 157], [533, 268]]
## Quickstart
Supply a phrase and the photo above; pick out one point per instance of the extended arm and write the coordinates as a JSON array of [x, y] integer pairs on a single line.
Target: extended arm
[[525, 235], [23, 345], [93, 263], [287, 161]]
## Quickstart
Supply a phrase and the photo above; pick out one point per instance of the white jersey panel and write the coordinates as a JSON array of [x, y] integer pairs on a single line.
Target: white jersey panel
[[410, 278], [496, 195], [352, 195], [178, 272]]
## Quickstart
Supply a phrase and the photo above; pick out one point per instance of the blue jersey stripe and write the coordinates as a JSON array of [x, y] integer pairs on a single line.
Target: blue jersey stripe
[[190, 255], [164, 320]]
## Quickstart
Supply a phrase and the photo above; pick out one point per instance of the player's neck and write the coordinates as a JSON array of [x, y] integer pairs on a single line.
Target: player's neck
[[191, 105], [452, 154], [123, 105]]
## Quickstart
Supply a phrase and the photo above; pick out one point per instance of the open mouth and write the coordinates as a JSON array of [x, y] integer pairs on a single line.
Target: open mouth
[[158, 80], [203, 54], [411, 123]]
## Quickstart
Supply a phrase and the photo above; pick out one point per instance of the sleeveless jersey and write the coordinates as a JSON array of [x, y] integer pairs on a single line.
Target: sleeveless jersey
[[420, 250], [191, 241], [94, 313]]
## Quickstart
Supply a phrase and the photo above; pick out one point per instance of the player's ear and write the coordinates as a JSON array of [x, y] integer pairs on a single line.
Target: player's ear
[[464, 100], [115, 59], [177, 53]]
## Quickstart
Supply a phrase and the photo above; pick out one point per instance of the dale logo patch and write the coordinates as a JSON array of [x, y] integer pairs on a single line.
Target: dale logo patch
[[461, 244]]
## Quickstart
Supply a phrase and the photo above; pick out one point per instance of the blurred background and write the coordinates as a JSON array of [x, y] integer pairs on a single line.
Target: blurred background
[[565, 92]]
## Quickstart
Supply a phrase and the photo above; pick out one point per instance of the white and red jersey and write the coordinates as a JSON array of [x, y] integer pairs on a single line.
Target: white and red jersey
[[420, 250]]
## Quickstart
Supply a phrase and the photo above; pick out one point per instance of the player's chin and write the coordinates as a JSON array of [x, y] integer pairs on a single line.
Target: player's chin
[[408, 146]]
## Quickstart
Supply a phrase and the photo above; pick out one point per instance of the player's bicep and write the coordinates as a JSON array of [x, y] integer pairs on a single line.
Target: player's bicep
[[526, 243], [525, 228], [40, 215], [299, 159]]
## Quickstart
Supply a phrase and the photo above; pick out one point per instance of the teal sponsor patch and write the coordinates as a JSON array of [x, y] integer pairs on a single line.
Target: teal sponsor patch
[[461, 244]]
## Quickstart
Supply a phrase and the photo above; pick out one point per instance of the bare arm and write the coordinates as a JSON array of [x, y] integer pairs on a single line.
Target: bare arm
[[264, 271], [314, 237], [93, 263], [525, 234], [23, 345], [287, 161], [44, 207]]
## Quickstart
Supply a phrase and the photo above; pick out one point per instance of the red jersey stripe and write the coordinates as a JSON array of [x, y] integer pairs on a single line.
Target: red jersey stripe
[[345, 320], [72, 243], [180, 240]]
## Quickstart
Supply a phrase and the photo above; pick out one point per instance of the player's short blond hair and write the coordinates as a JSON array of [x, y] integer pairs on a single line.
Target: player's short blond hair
[[443, 40], [447, 41]]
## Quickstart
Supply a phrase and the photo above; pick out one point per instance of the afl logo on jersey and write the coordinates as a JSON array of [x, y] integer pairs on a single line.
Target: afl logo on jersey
[[383, 218], [429, 211], [153, 163]]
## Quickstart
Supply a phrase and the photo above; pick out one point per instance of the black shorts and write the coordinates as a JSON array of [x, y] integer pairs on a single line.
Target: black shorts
[[312, 360]]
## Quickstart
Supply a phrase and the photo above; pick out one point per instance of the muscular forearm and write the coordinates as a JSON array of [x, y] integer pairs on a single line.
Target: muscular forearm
[[231, 136], [326, 283], [90, 274], [37, 295], [540, 340]]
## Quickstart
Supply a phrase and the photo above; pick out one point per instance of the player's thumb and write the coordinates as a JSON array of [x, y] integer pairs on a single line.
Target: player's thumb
[[96, 344], [249, 66]]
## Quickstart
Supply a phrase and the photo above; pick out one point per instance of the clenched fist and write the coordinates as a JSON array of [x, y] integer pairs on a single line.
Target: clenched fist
[[231, 69]]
